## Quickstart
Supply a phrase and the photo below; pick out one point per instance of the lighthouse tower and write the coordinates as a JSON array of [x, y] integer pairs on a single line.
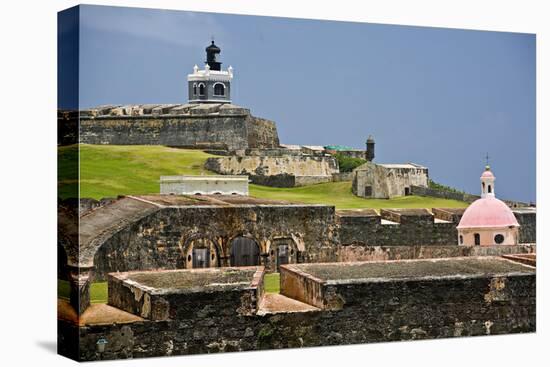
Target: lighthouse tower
[[212, 84]]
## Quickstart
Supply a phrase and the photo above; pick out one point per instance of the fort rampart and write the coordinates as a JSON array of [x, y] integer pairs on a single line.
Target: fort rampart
[[358, 303], [204, 126]]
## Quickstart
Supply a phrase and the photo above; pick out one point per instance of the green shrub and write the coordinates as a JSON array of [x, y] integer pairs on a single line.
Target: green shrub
[[441, 187], [348, 164]]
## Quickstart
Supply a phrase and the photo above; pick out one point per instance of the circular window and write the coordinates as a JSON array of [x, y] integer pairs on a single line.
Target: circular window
[[499, 238]]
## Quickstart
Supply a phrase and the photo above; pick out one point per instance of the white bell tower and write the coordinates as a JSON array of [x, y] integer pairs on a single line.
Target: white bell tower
[[487, 183]]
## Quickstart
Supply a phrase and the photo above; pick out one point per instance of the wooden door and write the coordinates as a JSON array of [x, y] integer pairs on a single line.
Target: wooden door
[[244, 252]]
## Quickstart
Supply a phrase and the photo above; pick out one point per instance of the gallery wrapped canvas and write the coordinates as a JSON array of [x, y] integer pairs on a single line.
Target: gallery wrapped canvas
[[234, 183]]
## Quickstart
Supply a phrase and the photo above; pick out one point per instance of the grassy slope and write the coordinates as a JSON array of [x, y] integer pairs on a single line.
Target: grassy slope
[[339, 194], [110, 170]]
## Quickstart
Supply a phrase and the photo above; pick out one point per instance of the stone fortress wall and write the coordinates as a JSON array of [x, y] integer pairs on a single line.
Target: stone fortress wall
[[384, 181], [204, 126], [339, 304], [394, 234], [150, 232], [284, 170]]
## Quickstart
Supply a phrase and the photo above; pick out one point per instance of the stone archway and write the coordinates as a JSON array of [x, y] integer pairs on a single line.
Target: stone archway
[[200, 251], [283, 250], [244, 251]]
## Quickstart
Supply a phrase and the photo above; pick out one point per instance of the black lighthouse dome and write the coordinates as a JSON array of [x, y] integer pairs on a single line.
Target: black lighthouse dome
[[211, 53]]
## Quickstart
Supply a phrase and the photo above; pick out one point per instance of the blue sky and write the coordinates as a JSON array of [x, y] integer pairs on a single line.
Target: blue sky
[[439, 97]]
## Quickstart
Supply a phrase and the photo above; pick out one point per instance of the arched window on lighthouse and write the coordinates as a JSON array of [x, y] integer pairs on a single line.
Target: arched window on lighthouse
[[201, 89], [219, 89]]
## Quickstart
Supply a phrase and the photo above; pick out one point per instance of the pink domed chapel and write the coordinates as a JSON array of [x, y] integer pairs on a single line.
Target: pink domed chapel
[[488, 221]]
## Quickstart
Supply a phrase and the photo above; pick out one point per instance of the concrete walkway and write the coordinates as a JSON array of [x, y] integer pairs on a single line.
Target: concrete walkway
[[95, 314], [272, 303]]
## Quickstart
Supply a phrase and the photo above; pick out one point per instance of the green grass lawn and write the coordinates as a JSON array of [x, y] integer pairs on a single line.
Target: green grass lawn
[[112, 170], [272, 283], [98, 291], [339, 194]]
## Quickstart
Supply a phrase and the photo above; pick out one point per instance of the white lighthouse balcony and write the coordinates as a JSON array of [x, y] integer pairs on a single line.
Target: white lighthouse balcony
[[210, 75]]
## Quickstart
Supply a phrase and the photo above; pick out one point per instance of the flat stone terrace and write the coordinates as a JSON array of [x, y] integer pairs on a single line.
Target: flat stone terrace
[[161, 295], [163, 110], [192, 280], [406, 269], [333, 286]]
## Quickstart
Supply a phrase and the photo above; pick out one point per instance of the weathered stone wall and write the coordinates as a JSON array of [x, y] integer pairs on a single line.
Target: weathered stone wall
[[206, 126], [527, 219], [409, 309], [277, 171], [415, 230], [358, 252], [138, 234], [301, 165], [169, 294], [160, 240], [342, 176], [386, 181], [412, 229], [262, 133], [200, 132]]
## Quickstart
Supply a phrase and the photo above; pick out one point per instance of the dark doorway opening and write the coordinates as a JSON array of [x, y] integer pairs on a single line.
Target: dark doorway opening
[[244, 252], [282, 255], [407, 191], [368, 190], [201, 258], [477, 239]]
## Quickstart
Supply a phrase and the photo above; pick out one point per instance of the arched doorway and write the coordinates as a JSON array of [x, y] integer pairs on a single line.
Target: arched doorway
[[283, 251], [200, 252], [244, 252]]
